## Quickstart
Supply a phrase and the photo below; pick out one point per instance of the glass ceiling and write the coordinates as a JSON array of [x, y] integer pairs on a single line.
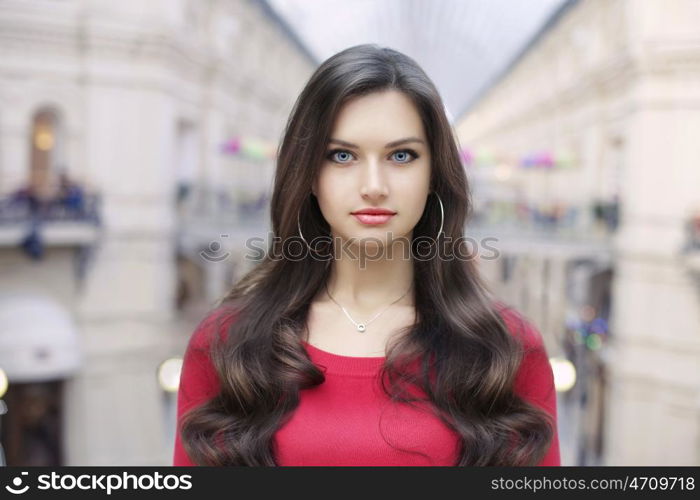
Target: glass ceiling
[[463, 45]]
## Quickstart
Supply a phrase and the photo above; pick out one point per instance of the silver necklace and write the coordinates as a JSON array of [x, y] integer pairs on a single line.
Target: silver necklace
[[361, 327]]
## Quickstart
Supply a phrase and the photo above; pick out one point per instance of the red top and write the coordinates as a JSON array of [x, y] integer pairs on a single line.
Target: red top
[[347, 419]]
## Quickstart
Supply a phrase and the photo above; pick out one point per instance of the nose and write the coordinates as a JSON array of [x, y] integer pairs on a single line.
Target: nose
[[373, 185]]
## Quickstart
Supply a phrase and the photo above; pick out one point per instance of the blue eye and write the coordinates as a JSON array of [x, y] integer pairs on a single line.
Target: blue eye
[[331, 155], [405, 152]]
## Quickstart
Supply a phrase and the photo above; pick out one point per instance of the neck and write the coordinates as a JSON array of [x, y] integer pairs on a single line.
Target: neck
[[366, 285]]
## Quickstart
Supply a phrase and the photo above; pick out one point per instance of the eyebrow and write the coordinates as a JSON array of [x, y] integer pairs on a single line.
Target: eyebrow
[[389, 145]]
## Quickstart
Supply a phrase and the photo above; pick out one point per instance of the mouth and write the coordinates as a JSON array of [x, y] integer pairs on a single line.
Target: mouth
[[374, 216]]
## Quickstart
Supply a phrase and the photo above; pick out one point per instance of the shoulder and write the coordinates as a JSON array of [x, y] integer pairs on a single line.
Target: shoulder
[[197, 357], [520, 327], [534, 381], [534, 377], [198, 377], [216, 322]]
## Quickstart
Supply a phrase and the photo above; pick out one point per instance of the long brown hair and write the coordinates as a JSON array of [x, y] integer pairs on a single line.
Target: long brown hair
[[459, 335]]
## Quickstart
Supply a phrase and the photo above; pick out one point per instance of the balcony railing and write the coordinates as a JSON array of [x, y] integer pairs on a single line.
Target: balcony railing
[[20, 208], [70, 220]]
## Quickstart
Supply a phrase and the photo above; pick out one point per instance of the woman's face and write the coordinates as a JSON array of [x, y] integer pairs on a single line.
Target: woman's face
[[365, 167]]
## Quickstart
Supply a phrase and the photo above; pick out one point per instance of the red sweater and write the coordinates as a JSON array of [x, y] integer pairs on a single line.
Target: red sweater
[[346, 420]]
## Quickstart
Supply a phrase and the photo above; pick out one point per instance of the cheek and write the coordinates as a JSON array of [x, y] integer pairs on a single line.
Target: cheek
[[414, 212], [414, 191], [413, 183], [330, 194]]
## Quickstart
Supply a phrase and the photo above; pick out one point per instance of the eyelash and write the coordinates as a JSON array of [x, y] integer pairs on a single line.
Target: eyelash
[[415, 155]]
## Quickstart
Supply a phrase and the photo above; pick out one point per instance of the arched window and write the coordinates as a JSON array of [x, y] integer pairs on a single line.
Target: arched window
[[46, 146]]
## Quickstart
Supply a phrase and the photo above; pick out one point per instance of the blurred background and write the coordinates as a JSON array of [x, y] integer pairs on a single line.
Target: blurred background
[[137, 150]]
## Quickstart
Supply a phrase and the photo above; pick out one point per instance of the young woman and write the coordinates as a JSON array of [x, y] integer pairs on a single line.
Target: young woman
[[364, 336]]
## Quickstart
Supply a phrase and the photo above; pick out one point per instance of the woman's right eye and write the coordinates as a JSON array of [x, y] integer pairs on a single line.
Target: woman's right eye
[[339, 156]]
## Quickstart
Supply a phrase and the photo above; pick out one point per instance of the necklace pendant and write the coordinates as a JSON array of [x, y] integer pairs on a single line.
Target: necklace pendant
[[361, 327]]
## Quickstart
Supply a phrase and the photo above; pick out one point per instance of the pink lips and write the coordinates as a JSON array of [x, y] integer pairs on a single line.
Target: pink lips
[[374, 216]]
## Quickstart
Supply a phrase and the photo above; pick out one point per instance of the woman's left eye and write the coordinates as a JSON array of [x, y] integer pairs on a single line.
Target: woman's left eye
[[404, 154]]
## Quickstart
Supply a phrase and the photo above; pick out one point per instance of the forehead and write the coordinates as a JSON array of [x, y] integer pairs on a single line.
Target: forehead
[[378, 117]]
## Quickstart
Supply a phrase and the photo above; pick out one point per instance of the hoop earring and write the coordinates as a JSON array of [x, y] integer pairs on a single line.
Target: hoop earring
[[302, 236], [299, 229], [442, 215]]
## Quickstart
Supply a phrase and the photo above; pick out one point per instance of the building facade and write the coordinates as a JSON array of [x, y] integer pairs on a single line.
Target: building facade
[[587, 152], [132, 102]]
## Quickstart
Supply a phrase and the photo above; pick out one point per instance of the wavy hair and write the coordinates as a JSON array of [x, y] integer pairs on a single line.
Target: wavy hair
[[467, 358]]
